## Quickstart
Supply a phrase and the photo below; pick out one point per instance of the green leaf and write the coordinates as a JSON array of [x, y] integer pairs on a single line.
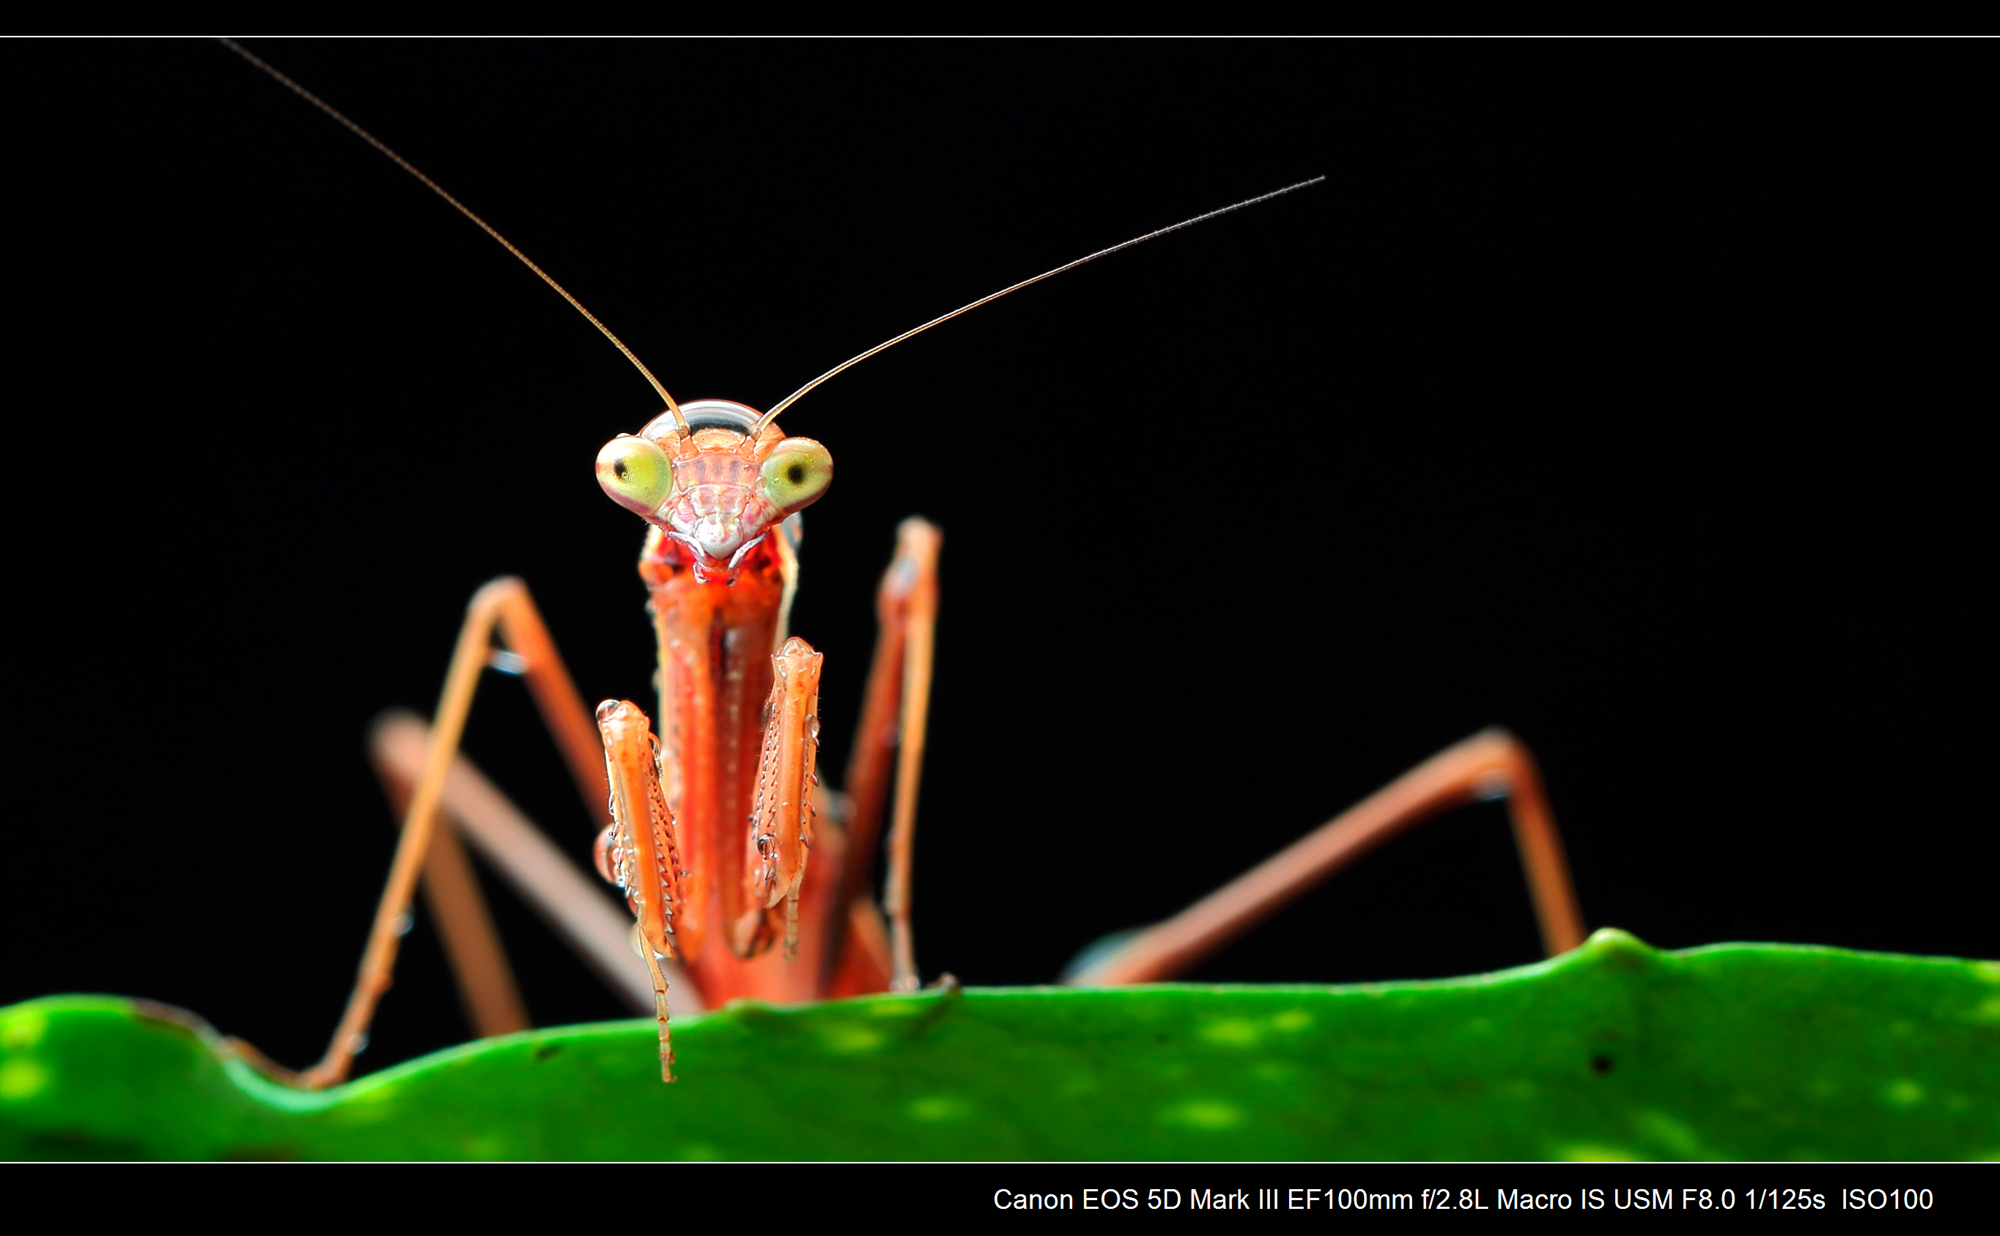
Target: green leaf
[[1612, 1051]]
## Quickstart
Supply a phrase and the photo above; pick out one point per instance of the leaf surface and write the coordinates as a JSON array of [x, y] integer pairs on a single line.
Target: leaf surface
[[1612, 1051]]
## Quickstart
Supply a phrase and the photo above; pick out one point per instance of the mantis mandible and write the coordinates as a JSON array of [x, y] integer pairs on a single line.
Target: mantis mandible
[[709, 831]]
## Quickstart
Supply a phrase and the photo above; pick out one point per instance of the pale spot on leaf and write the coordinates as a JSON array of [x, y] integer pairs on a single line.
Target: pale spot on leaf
[[1230, 1031], [21, 1031], [935, 1107], [1211, 1115], [21, 1080], [848, 1039], [1903, 1093]]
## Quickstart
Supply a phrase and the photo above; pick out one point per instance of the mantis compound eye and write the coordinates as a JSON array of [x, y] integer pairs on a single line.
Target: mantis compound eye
[[636, 473], [796, 473]]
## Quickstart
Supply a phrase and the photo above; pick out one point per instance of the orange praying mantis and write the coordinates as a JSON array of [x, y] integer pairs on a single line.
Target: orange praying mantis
[[744, 874]]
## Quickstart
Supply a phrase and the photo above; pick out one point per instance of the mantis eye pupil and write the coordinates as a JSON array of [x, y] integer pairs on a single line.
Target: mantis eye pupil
[[635, 473], [796, 473]]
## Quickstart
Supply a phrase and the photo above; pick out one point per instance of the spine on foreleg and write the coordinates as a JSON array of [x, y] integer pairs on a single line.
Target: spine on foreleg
[[639, 851], [781, 816]]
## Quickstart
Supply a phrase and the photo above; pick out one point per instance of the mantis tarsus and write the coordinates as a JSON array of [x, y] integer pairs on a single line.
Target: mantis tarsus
[[1443, 374]]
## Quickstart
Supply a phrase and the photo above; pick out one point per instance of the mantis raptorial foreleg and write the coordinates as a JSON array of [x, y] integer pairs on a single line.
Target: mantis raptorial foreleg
[[1490, 764], [641, 850], [781, 815], [424, 773]]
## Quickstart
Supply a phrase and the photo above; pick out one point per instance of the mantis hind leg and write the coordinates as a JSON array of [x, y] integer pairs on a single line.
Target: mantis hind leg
[[486, 986], [1490, 764]]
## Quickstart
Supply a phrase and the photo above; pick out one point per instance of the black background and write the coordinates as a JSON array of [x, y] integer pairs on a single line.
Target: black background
[[1628, 394]]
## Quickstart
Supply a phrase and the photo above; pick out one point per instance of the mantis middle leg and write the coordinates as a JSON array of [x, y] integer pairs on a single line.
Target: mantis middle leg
[[503, 607]]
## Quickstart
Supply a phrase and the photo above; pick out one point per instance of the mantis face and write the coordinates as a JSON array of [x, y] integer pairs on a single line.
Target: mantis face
[[717, 487]]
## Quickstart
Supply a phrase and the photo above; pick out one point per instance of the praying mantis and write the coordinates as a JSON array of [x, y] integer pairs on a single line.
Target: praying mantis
[[1044, 668], [710, 823]]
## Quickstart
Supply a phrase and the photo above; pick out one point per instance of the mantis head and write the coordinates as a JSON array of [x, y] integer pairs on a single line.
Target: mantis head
[[714, 480]]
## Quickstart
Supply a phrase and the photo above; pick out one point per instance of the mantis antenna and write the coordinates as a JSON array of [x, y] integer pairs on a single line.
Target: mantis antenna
[[792, 398], [576, 304], [461, 208]]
